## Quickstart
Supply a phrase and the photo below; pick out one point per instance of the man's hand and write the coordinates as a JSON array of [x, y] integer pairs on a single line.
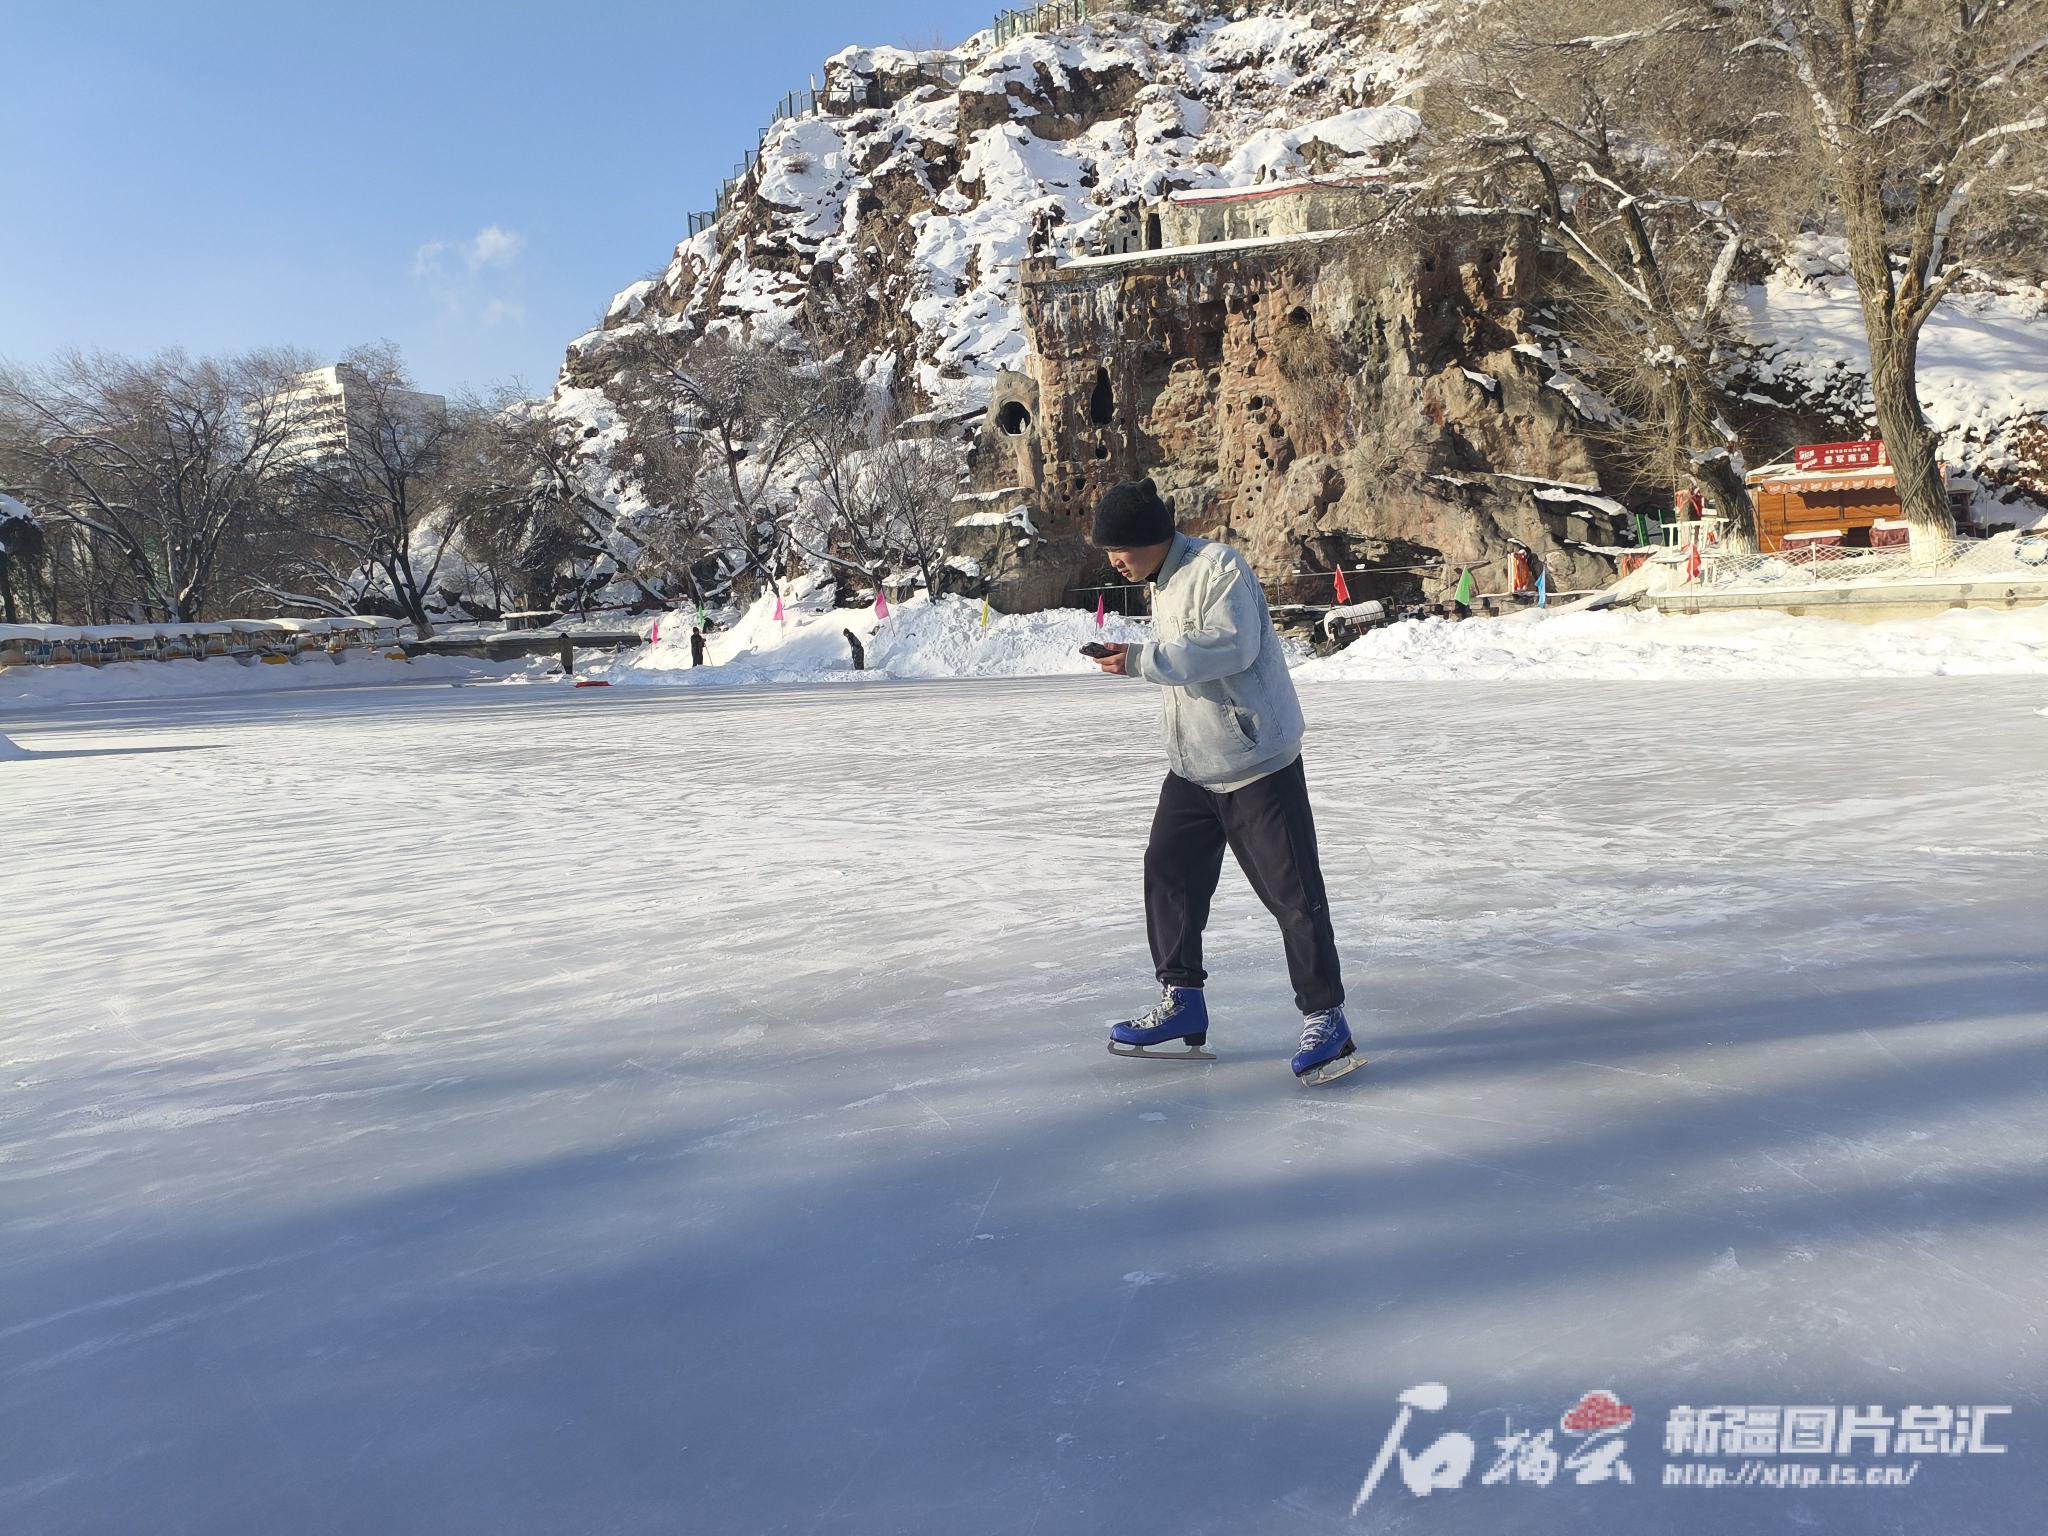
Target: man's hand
[[1113, 663]]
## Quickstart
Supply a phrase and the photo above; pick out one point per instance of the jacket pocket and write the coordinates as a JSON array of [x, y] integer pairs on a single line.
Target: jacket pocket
[[1211, 737]]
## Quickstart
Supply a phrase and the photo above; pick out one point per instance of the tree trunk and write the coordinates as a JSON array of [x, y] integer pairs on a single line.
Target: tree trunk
[[1894, 369], [1729, 497], [1711, 467], [7, 590], [1910, 445], [407, 589]]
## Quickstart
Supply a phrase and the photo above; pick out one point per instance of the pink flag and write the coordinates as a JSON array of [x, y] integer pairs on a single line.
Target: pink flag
[[1098, 610], [778, 605], [881, 605], [657, 631]]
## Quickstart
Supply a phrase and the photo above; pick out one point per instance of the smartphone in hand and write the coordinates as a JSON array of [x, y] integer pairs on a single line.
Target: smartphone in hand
[[1094, 650]]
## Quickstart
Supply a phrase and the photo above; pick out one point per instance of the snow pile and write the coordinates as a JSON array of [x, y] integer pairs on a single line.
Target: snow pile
[[39, 687], [945, 639], [1275, 154], [1631, 643], [920, 639]]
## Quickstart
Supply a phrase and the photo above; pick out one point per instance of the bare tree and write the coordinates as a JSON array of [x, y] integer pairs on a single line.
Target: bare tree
[[365, 493], [838, 521], [538, 504], [1622, 139], [745, 406], [159, 462], [500, 481], [914, 481], [677, 533], [1928, 118]]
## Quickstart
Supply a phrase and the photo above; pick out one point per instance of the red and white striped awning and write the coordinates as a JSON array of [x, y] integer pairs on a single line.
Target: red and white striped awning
[[1820, 480]]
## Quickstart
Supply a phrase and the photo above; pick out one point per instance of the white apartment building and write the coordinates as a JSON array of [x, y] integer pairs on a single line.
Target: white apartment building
[[325, 402]]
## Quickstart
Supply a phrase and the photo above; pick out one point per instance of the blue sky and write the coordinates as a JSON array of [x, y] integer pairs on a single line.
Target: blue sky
[[472, 181]]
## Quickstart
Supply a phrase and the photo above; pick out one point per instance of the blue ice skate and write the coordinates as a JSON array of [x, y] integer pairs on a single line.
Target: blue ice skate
[[1180, 1015], [1326, 1052]]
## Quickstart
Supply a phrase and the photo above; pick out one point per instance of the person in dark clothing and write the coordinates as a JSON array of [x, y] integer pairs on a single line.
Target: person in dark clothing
[[1235, 780], [696, 647], [860, 657]]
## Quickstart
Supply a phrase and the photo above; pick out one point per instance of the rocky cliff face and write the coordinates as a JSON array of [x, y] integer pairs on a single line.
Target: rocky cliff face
[[971, 227], [1322, 403]]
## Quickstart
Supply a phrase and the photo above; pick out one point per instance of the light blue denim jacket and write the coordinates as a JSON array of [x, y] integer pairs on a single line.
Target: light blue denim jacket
[[1231, 714]]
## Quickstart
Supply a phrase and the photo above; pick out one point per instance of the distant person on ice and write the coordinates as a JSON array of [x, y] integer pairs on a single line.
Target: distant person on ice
[[1233, 747], [696, 647]]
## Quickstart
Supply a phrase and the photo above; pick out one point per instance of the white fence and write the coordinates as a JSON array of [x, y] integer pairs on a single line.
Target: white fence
[[1827, 565], [248, 641]]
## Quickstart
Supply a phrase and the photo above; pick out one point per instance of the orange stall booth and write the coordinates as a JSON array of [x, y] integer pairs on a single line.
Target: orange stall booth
[[1833, 494]]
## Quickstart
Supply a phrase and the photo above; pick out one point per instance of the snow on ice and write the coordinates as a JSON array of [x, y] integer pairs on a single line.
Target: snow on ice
[[658, 1109], [38, 687]]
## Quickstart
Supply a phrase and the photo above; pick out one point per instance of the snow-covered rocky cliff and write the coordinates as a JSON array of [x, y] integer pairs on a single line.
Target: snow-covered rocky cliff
[[917, 211], [896, 222]]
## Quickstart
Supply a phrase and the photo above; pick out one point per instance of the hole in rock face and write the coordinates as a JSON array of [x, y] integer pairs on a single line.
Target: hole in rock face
[[1297, 316], [1256, 403], [1013, 419], [1153, 239], [1102, 403], [1102, 450]]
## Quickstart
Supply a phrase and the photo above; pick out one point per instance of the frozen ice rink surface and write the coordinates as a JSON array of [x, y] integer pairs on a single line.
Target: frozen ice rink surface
[[521, 1110]]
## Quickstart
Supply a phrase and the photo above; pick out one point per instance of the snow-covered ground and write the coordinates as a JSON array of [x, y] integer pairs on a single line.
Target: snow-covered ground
[[948, 639], [1643, 644], [684, 1109], [43, 687]]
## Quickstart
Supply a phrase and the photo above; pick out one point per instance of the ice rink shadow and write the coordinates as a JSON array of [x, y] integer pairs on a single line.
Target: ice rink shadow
[[976, 1318]]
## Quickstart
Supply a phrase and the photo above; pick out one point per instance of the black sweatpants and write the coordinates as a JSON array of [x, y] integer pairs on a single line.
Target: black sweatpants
[[1268, 827]]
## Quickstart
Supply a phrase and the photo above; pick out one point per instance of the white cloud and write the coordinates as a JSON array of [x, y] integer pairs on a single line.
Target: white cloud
[[426, 261], [465, 279], [495, 247]]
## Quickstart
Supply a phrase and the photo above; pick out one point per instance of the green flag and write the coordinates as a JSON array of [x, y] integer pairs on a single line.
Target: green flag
[[1465, 589]]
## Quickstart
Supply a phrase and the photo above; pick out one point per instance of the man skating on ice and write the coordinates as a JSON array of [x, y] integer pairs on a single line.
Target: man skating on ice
[[1233, 747]]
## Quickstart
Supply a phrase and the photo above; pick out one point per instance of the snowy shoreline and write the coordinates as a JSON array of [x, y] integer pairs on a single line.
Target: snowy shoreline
[[923, 640]]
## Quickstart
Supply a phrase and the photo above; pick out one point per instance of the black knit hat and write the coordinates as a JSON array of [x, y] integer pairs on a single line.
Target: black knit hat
[[1131, 516]]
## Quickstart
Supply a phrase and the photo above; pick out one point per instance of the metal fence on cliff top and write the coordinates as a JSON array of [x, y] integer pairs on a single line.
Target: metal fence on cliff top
[[1007, 26]]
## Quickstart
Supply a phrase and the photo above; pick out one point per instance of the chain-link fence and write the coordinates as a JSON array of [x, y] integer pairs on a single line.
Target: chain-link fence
[[1827, 565]]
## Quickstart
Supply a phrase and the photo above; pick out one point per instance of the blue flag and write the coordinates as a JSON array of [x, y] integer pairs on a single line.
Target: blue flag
[[1542, 588]]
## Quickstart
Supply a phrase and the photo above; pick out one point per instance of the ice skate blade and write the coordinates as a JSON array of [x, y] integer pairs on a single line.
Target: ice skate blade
[[1192, 1053], [1330, 1071]]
